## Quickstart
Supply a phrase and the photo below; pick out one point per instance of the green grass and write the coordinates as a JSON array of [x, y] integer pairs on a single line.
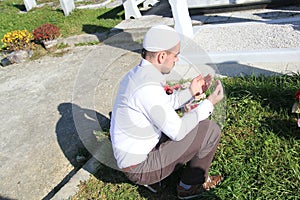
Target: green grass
[[87, 43], [258, 154], [78, 22]]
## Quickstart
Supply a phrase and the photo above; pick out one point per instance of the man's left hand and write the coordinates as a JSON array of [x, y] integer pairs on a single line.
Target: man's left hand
[[199, 84]]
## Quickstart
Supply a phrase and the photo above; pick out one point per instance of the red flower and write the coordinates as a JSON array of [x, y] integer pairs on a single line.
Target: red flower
[[297, 96], [46, 32], [169, 89], [176, 87]]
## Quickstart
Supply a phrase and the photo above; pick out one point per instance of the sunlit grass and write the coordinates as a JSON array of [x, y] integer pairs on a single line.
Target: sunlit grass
[[80, 21]]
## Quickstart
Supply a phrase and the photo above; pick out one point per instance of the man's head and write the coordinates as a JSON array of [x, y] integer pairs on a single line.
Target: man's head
[[161, 47]]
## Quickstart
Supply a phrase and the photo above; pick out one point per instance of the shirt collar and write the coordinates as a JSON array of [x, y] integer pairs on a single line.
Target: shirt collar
[[153, 70]]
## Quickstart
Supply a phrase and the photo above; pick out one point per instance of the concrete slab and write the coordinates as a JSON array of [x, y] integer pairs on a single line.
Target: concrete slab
[[32, 162], [39, 142]]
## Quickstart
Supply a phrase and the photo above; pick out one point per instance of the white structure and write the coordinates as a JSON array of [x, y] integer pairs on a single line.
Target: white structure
[[182, 19], [67, 6], [29, 4], [131, 9], [211, 3]]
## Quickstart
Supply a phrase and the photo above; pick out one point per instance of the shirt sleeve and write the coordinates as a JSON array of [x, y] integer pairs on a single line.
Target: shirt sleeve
[[178, 98], [158, 107]]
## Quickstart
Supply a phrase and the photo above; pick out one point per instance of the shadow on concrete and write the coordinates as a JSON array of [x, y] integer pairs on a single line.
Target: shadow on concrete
[[163, 8], [277, 14], [130, 41], [288, 14], [5, 198], [296, 26], [67, 131], [65, 180], [74, 131], [268, 16], [115, 37], [233, 68]]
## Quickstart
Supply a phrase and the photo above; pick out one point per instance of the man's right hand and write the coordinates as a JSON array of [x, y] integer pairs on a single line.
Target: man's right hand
[[218, 93]]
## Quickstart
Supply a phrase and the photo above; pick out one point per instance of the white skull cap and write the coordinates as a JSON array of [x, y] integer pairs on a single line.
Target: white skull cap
[[160, 38]]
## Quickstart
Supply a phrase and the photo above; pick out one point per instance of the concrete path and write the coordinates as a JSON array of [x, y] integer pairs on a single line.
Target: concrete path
[[50, 107]]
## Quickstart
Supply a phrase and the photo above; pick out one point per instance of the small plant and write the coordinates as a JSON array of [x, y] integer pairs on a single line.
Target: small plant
[[18, 40], [62, 46], [87, 43], [46, 32]]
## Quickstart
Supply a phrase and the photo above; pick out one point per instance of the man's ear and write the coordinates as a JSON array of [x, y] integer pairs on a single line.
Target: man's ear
[[161, 56]]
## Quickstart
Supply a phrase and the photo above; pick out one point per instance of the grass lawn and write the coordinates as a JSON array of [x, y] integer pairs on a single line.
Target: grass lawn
[[78, 22], [258, 154]]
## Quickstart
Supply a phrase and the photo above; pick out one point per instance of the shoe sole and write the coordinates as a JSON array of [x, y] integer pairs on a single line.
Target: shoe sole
[[150, 188], [153, 189]]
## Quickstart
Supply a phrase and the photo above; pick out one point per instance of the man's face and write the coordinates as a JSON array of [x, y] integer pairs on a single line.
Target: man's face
[[171, 59]]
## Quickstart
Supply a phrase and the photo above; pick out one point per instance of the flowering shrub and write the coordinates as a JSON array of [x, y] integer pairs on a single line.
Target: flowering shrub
[[18, 40], [46, 32], [296, 106]]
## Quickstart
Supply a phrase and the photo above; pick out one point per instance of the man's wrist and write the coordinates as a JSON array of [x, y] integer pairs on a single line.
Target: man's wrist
[[210, 98]]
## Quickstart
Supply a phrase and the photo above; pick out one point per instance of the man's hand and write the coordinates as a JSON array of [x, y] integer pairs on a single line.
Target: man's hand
[[218, 93], [199, 85]]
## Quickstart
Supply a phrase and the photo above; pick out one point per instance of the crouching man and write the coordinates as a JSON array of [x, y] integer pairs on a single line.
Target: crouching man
[[149, 139]]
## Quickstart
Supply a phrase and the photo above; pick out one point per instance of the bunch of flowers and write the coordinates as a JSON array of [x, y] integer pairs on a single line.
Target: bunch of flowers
[[193, 103], [18, 40], [296, 106], [46, 32]]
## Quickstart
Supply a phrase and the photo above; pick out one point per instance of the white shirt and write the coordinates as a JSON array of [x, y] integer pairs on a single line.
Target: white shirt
[[142, 111]]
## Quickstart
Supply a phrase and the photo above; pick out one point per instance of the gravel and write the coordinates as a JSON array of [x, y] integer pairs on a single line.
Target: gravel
[[248, 36]]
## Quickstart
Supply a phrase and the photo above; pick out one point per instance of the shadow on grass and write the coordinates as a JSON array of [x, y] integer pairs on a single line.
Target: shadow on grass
[[94, 29], [21, 7], [168, 191], [276, 95], [284, 128], [130, 41], [115, 13]]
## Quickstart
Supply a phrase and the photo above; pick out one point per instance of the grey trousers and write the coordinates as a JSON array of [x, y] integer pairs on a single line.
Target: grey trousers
[[196, 150]]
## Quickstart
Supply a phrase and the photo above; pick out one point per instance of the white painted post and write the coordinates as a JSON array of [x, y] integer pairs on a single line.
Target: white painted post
[[29, 4], [181, 16], [131, 9], [67, 6]]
